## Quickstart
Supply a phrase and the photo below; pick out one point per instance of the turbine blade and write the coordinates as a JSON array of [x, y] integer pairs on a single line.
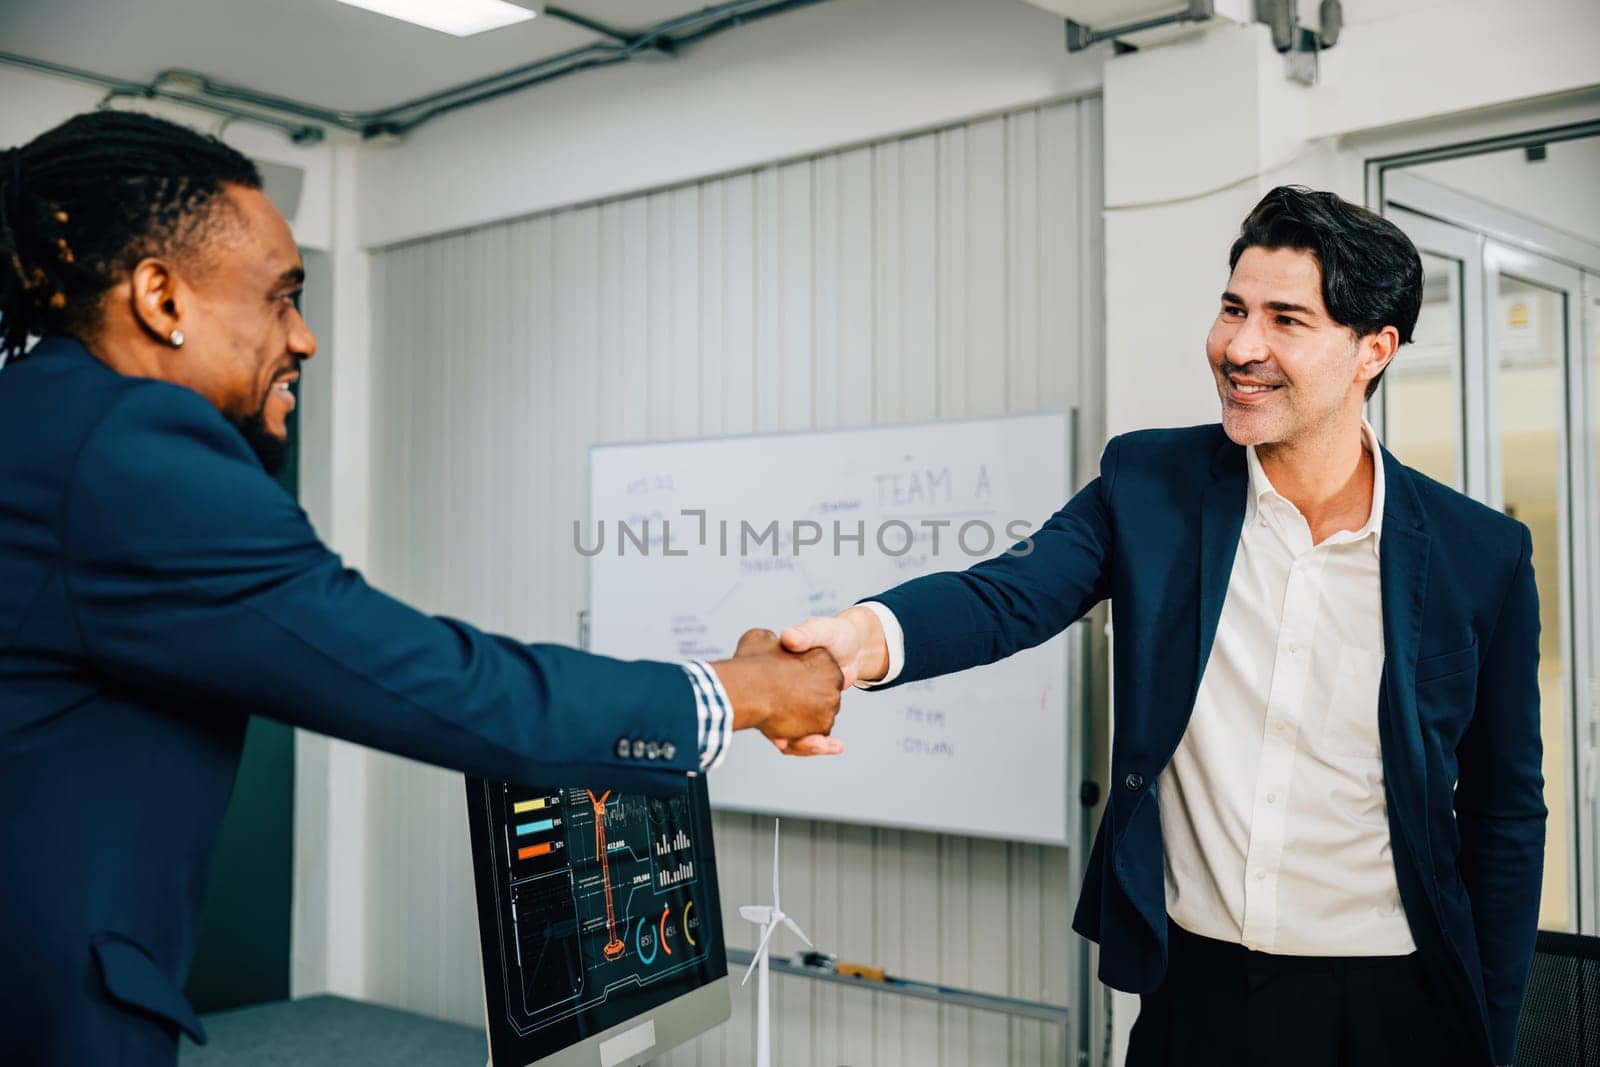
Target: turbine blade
[[776, 902], [761, 950], [801, 934]]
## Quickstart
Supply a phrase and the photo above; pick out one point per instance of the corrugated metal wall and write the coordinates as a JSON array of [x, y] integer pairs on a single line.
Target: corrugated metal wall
[[954, 273]]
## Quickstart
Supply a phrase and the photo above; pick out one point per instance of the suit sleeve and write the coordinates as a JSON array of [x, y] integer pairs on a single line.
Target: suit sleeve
[[1500, 809], [199, 584], [1037, 588]]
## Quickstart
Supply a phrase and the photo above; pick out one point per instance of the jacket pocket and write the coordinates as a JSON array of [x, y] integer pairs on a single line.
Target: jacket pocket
[[1447, 663], [136, 981]]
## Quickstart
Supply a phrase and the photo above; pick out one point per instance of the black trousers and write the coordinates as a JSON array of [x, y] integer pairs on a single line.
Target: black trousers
[[1223, 1004]]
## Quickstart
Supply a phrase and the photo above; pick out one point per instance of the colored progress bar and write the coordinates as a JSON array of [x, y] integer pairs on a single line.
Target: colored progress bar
[[523, 807], [536, 827], [533, 850]]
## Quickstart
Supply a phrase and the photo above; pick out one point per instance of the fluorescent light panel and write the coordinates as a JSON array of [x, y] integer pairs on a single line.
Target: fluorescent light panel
[[462, 18]]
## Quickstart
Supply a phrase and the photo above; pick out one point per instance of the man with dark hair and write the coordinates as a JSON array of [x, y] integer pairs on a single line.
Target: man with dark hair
[[1324, 837], [157, 588]]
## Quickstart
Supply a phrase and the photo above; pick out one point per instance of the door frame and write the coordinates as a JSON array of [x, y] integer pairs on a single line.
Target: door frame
[[1454, 243], [1490, 241]]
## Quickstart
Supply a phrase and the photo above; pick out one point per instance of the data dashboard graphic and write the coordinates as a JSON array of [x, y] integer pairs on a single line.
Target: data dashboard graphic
[[594, 906]]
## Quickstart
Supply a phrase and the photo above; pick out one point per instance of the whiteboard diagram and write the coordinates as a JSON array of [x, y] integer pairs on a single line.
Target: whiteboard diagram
[[690, 543]]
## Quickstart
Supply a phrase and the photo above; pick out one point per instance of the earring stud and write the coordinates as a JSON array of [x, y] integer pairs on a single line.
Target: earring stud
[[175, 339]]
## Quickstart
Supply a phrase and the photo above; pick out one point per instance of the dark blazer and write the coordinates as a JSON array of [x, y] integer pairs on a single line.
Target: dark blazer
[[1458, 710], [157, 589]]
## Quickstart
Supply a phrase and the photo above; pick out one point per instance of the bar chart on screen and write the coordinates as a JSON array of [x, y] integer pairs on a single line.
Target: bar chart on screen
[[600, 889]]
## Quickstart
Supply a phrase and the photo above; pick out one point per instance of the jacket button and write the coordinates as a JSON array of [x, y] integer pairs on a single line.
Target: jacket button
[[1133, 783], [623, 748], [669, 750], [638, 750], [652, 750]]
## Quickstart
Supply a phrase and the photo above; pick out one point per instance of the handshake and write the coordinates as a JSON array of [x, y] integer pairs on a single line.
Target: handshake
[[788, 686]]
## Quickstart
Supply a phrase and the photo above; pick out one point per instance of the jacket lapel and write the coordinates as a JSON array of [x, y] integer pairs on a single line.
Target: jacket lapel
[[1221, 518], [1403, 574]]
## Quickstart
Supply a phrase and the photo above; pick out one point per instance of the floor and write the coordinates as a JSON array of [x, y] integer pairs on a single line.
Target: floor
[[320, 1031]]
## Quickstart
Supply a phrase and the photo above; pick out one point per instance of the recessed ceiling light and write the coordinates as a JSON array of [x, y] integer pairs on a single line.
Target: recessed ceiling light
[[463, 18]]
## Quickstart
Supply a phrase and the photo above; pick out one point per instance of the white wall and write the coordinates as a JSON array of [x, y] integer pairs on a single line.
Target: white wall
[[328, 952], [1406, 61], [944, 275], [841, 73], [1197, 131]]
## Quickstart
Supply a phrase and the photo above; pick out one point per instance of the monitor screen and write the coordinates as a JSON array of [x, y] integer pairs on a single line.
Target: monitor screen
[[598, 914]]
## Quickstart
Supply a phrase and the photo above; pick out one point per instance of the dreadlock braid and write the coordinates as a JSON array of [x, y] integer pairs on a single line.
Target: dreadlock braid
[[82, 204]]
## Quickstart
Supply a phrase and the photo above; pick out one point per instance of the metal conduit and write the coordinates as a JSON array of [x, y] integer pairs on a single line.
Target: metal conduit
[[302, 122]]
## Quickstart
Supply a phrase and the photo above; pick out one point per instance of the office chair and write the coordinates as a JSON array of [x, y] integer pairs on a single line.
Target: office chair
[[1560, 1024]]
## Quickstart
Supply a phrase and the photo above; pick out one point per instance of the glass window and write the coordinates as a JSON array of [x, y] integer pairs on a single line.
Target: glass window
[[1422, 387], [1530, 343]]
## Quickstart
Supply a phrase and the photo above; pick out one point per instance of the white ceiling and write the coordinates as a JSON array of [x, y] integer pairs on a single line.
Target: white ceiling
[[315, 51]]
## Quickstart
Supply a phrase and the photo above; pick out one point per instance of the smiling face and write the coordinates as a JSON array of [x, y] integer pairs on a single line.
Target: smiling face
[[154, 247], [244, 336], [1285, 371]]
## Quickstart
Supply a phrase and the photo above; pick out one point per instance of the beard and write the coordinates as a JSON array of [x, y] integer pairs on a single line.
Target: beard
[[269, 448]]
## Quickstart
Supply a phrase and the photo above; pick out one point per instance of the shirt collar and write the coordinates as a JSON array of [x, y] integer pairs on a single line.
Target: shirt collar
[[1261, 489]]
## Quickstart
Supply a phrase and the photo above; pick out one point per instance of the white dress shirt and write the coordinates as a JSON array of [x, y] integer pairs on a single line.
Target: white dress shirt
[[1273, 815]]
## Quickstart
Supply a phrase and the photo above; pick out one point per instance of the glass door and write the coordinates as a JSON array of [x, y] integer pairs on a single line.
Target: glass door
[[1586, 417], [1535, 311], [1426, 388], [1494, 398]]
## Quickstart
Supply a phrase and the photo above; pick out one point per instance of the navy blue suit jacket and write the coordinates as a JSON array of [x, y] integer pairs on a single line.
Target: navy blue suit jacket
[[157, 588], [1458, 710]]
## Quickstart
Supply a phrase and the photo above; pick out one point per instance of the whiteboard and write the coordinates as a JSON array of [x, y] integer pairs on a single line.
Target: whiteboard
[[697, 560]]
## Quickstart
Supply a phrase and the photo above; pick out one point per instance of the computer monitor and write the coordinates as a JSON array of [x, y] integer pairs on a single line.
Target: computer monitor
[[599, 921]]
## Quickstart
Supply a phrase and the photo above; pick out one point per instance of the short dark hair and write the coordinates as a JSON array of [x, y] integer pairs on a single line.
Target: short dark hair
[[1371, 272], [82, 203]]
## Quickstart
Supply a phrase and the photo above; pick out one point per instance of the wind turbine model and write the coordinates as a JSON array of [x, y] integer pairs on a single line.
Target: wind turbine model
[[769, 919]]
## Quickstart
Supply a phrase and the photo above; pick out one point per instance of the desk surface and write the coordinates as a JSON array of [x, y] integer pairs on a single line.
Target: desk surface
[[322, 1031]]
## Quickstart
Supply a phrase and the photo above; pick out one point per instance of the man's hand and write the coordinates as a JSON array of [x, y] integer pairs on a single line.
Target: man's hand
[[790, 697], [854, 638]]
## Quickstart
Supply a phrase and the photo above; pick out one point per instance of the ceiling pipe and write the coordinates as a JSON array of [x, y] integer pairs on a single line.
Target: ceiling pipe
[[595, 26], [299, 133], [195, 89]]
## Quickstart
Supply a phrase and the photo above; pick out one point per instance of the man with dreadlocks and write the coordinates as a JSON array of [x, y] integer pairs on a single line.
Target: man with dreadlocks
[[157, 588]]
